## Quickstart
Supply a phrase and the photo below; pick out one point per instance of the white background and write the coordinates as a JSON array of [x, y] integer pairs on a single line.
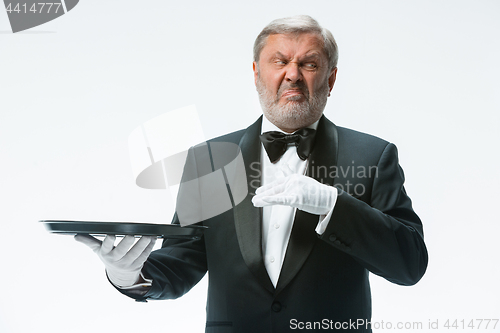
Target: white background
[[422, 74]]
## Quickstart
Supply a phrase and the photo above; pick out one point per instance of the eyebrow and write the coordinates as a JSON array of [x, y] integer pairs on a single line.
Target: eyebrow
[[278, 54], [311, 56], [307, 57]]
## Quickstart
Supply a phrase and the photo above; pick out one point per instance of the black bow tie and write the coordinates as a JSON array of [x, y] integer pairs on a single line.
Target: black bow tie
[[276, 143]]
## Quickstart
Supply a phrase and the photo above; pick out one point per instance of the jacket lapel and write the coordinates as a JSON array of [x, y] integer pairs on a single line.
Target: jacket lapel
[[247, 218], [303, 236]]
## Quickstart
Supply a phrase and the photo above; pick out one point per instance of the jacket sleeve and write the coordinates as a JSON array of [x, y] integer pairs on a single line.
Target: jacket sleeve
[[384, 235], [179, 264], [175, 268]]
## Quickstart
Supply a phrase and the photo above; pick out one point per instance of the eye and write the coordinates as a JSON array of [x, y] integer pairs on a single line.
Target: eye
[[310, 66], [280, 62]]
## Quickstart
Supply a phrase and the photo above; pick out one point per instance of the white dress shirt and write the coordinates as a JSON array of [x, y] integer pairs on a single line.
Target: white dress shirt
[[277, 220]]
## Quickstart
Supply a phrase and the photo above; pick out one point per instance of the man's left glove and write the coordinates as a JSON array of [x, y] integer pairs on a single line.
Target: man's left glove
[[299, 191], [123, 263]]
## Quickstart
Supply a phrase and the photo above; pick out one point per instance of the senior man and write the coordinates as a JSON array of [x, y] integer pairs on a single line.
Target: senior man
[[330, 207]]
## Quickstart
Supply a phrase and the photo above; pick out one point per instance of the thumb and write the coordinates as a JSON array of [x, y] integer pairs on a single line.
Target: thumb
[[88, 240]]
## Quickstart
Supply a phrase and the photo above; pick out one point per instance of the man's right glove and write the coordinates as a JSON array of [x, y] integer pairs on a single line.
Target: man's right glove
[[123, 263], [299, 191]]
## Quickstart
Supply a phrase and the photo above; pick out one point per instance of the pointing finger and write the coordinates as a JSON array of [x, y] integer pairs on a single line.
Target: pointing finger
[[107, 244]]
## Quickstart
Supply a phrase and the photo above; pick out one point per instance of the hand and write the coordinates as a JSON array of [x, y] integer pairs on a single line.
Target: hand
[[299, 191], [123, 263]]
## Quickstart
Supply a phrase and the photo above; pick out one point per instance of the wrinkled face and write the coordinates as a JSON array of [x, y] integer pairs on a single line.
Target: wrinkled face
[[293, 80]]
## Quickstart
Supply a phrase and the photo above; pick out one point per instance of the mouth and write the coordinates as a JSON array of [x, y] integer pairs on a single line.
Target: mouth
[[292, 93]]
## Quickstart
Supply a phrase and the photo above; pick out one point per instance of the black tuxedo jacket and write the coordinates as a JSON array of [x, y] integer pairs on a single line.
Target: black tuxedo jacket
[[324, 279]]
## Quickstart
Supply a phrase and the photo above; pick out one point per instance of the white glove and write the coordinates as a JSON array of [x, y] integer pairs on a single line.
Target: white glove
[[123, 263], [299, 191]]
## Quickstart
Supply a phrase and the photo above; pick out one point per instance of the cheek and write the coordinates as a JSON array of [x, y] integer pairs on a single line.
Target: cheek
[[271, 78], [315, 82], [274, 82]]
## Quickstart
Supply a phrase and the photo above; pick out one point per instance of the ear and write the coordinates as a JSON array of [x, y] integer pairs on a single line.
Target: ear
[[255, 72], [332, 78]]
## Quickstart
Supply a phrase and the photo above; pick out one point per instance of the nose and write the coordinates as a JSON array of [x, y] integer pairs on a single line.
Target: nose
[[293, 73]]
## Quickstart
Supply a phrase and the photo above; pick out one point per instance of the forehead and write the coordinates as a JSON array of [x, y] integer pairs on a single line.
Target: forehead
[[293, 45]]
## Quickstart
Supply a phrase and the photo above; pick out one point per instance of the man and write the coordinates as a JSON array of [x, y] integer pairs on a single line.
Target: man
[[330, 206]]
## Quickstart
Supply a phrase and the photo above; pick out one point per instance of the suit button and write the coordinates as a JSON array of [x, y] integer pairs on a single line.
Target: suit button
[[276, 307], [332, 238], [339, 243]]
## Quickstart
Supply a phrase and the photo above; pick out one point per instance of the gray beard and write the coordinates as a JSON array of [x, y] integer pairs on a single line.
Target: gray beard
[[293, 115]]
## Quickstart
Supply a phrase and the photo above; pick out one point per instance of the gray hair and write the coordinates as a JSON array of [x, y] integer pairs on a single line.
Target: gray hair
[[298, 25]]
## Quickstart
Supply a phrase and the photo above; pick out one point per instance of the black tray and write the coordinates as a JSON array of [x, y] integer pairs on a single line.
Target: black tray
[[123, 228]]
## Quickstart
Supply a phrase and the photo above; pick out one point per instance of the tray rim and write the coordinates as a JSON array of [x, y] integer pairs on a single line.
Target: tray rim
[[192, 232]]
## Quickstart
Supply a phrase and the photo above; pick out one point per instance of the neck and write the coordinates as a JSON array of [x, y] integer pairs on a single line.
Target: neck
[[288, 129]]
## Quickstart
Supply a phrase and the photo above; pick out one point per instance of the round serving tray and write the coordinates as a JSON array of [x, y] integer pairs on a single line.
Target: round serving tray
[[123, 228]]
